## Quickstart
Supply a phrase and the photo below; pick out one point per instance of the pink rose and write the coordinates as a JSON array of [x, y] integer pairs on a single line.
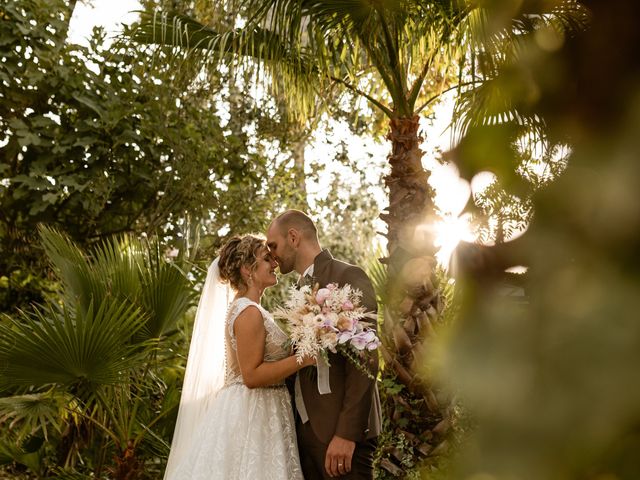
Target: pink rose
[[347, 306], [322, 295]]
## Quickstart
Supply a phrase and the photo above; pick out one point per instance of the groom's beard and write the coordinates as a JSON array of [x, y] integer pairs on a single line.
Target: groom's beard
[[287, 263], [285, 268]]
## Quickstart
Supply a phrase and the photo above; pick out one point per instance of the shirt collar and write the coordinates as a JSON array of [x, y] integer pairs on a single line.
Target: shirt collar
[[308, 271]]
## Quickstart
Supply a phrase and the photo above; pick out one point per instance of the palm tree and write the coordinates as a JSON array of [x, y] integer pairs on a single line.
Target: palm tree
[[399, 55]]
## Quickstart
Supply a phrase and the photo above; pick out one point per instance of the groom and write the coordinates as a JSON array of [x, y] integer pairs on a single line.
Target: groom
[[336, 431]]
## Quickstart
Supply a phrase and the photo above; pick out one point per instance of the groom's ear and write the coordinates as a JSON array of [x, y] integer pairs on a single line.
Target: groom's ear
[[293, 237]]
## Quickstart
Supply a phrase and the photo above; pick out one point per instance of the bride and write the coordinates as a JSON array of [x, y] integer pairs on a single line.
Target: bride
[[235, 419]]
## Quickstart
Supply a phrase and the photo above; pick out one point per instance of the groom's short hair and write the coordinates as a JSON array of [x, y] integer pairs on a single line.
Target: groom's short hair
[[298, 220]]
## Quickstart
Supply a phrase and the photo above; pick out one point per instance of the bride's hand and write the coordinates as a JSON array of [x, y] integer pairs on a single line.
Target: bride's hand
[[308, 361]]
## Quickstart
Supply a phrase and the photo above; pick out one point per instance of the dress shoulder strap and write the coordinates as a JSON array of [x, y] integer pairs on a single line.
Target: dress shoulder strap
[[236, 308]]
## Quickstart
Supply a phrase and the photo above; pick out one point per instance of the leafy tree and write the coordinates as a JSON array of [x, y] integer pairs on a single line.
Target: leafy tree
[[95, 141]]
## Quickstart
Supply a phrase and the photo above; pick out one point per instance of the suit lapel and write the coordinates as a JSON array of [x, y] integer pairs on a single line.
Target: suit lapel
[[321, 267]]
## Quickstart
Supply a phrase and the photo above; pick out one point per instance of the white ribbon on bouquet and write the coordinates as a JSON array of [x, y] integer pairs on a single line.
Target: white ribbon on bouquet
[[323, 387]]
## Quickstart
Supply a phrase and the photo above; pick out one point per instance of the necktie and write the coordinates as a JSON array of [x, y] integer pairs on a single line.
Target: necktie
[[304, 281]]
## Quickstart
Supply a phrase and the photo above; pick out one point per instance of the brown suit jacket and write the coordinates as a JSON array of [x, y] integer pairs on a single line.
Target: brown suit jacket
[[352, 409]]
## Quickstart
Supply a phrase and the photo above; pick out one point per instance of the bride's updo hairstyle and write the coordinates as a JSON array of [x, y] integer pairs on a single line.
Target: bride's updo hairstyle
[[236, 253]]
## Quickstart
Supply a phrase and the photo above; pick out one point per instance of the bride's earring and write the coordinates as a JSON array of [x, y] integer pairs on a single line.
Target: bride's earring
[[250, 281]]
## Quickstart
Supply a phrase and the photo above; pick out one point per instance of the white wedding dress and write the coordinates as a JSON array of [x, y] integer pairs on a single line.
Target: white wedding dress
[[247, 433]]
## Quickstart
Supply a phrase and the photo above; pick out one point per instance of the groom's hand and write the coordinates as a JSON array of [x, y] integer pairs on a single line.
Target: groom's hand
[[339, 454]]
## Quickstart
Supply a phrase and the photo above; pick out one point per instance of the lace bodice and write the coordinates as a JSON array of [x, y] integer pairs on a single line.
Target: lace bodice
[[274, 341]]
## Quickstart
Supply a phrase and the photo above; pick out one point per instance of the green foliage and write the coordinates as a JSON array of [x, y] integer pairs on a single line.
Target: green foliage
[[553, 384], [97, 141], [89, 348], [94, 141], [494, 104], [346, 221], [91, 142], [92, 363], [504, 207], [33, 413], [23, 454], [127, 270], [396, 55], [409, 444]]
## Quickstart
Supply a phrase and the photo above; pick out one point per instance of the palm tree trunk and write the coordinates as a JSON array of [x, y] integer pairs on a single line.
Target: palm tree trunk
[[298, 156], [409, 193], [414, 298], [128, 465]]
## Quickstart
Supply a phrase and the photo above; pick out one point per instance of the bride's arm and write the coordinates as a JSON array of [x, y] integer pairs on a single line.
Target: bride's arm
[[250, 337]]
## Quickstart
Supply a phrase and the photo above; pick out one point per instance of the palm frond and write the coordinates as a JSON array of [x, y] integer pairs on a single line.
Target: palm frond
[[52, 347], [24, 453], [125, 270], [313, 44], [71, 266], [29, 414], [252, 48], [70, 474], [181, 31], [115, 263], [495, 101], [378, 274], [166, 293], [498, 57]]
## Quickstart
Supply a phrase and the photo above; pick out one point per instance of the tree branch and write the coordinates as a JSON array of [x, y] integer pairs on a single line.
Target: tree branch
[[436, 96], [417, 85], [386, 110]]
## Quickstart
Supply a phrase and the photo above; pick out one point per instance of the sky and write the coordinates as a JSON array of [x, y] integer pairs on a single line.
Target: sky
[[452, 192], [108, 13]]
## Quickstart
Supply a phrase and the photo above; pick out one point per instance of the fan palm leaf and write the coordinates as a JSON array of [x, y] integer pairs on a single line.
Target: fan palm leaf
[[72, 268], [111, 269], [497, 54], [22, 453], [123, 269], [28, 414], [378, 275], [97, 343], [52, 347], [165, 292]]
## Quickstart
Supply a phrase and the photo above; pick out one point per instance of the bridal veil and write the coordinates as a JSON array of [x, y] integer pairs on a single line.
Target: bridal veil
[[204, 375]]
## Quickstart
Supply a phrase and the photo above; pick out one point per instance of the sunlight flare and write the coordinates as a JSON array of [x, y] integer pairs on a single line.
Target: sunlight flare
[[449, 232]]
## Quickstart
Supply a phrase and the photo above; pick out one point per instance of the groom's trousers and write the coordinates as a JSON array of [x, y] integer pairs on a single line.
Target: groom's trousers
[[313, 452]]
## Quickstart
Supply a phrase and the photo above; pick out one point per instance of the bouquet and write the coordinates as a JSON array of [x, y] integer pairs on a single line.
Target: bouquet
[[319, 320]]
